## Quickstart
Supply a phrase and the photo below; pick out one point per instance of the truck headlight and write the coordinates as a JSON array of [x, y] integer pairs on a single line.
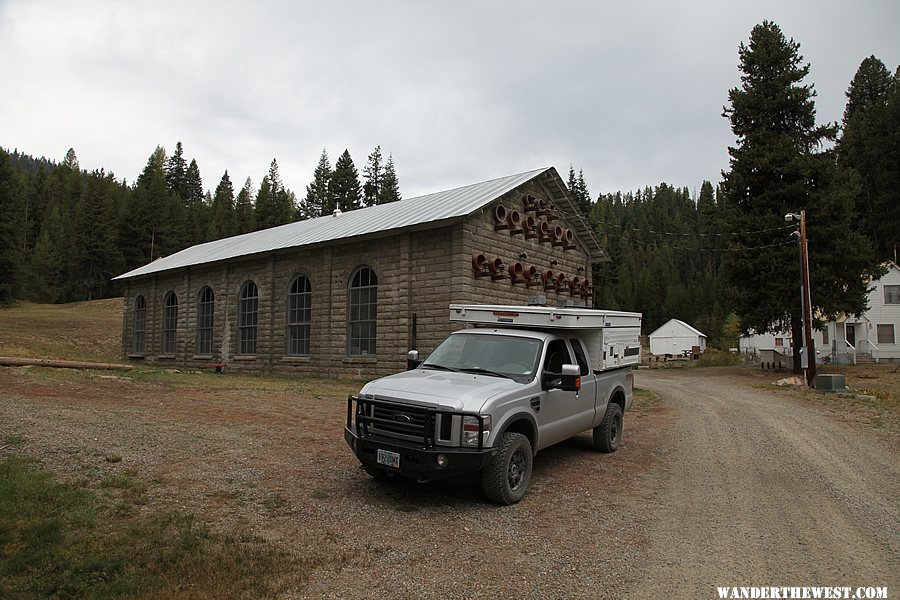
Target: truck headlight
[[471, 429]]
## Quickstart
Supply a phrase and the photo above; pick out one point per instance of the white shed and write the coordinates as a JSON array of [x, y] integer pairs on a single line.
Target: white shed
[[676, 338]]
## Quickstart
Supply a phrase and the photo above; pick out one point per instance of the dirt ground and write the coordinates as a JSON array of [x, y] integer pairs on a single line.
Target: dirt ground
[[721, 480]]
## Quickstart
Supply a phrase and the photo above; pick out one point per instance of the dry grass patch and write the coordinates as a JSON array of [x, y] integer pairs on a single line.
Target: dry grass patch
[[90, 331]]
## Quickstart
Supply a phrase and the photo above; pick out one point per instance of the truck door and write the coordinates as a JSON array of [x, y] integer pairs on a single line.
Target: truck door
[[588, 383], [562, 414]]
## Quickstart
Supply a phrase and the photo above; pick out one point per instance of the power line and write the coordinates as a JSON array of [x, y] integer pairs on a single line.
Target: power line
[[713, 250], [679, 233]]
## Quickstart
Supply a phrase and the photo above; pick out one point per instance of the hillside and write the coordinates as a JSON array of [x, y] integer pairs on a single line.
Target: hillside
[[89, 331]]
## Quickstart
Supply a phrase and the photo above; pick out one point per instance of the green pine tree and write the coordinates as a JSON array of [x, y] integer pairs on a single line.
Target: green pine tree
[[777, 167], [221, 223], [176, 174], [345, 184], [12, 220], [578, 189], [868, 145], [390, 186], [319, 200], [274, 204], [244, 214], [264, 206], [197, 210], [373, 174], [95, 254]]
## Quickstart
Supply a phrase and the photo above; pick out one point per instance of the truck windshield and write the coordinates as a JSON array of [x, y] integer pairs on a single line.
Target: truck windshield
[[505, 356]]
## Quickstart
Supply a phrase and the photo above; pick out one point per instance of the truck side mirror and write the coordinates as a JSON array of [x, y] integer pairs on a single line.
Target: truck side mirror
[[571, 378], [412, 360], [568, 380]]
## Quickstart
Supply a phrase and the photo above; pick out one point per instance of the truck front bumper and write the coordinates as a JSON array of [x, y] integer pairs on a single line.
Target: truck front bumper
[[416, 461]]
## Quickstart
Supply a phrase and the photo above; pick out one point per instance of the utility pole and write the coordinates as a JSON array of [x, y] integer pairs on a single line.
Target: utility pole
[[806, 298], [807, 306]]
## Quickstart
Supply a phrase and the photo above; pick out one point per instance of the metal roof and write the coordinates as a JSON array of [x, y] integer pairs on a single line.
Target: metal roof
[[419, 211], [682, 323]]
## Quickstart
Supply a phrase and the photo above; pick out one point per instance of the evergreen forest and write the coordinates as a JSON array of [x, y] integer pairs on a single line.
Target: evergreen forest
[[721, 258]]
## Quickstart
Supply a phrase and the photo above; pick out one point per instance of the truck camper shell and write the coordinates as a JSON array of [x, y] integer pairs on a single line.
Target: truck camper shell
[[613, 338]]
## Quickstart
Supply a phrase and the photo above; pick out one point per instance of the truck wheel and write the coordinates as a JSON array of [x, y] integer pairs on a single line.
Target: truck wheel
[[609, 432], [507, 477]]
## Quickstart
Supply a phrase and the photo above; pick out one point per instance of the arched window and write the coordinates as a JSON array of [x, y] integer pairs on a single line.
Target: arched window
[[299, 315], [361, 313], [137, 325], [248, 315], [206, 304], [170, 322]]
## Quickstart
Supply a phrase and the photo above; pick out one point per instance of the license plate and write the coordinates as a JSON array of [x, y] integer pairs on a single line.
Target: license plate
[[388, 458]]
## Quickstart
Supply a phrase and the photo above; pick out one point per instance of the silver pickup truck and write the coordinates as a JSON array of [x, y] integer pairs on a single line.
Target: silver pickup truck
[[489, 398]]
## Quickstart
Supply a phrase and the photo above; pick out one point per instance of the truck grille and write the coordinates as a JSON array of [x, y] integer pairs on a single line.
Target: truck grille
[[399, 419], [421, 425]]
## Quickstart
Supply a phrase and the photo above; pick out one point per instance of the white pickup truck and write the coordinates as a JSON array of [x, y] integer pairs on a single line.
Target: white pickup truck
[[489, 397]]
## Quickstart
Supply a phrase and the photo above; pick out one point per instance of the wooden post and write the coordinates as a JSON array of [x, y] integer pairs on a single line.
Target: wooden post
[[807, 305]]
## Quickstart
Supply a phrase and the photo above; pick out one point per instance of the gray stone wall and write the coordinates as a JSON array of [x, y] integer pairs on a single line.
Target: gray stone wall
[[419, 274]]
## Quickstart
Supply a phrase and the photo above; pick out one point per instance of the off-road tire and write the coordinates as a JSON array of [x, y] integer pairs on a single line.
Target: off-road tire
[[608, 433], [506, 478]]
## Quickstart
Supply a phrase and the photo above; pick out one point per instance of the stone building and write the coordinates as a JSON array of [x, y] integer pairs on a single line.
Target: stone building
[[349, 294]]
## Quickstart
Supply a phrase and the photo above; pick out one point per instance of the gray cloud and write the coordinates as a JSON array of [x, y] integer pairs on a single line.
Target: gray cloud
[[457, 92]]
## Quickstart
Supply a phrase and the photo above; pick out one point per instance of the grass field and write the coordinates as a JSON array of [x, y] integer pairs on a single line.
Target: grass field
[[72, 541], [84, 331]]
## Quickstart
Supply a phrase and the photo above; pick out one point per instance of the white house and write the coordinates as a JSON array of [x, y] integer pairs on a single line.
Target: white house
[[848, 339], [752, 346], [676, 338], [873, 335]]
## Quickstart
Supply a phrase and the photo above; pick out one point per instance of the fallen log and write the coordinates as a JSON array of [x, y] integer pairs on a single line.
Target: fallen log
[[60, 364]]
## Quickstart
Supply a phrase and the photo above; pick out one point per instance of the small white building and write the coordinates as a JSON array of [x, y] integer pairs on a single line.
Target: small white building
[[676, 338], [872, 335]]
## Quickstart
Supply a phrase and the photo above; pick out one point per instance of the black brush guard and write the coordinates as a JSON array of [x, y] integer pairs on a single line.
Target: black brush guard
[[412, 433], [407, 420]]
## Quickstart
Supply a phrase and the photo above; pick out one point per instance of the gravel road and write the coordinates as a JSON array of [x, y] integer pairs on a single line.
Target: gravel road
[[759, 489], [718, 482]]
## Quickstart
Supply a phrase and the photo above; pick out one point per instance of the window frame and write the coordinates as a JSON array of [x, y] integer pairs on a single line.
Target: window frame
[[894, 296], [299, 316], [580, 356], [878, 330], [206, 314], [248, 318], [362, 331], [169, 337], [138, 325]]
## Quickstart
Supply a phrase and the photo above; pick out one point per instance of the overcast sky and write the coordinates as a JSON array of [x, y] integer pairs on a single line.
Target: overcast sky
[[457, 91]]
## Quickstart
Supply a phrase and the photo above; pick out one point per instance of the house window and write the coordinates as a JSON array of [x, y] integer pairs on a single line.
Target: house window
[[892, 294], [299, 315], [137, 326], [248, 316], [206, 304], [779, 342], [825, 336], [886, 334], [363, 305], [170, 321]]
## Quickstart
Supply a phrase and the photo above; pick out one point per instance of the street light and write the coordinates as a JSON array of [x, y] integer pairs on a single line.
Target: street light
[[806, 298]]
